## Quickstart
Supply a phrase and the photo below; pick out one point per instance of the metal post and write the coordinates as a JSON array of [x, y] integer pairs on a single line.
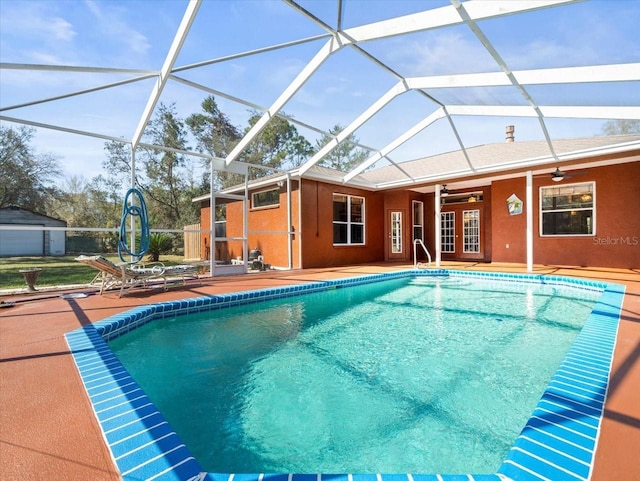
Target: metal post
[[245, 223], [437, 226], [132, 219], [529, 210], [212, 222], [289, 226]]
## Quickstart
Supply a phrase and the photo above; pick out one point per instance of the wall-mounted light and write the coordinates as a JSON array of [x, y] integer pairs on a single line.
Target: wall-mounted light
[[472, 198], [444, 192], [558, 175], [280, 183]]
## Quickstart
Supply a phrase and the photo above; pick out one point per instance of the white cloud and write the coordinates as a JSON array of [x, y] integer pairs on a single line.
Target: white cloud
[[447, 52], [60, 29], [33, 19]]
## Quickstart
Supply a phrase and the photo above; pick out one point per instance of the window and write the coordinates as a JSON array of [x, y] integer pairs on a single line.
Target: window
[[348, 219], [567, 210], [418, 220], [265, 198], [221, 220]]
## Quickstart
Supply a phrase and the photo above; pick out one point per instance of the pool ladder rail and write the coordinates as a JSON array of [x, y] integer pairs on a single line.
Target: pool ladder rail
[[416, 264]]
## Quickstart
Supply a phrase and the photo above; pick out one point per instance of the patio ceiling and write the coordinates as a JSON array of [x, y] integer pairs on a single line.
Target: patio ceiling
[[404, 109]]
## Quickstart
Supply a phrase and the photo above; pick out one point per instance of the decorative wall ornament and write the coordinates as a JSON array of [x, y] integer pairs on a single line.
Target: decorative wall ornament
[[514, 205]]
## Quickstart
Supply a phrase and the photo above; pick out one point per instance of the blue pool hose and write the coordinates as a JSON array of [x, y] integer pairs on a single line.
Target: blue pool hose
[[131, 209]]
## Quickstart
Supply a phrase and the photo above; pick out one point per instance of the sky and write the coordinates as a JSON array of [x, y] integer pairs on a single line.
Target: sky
[[137, 34]]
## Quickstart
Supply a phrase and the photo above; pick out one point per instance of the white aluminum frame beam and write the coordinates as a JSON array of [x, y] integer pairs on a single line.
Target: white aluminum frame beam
[[163, 77], [471, 23], [398, 89], [413, 131], [445, 16], [598, 73], [420, 21], [549, 111], [333, 45]]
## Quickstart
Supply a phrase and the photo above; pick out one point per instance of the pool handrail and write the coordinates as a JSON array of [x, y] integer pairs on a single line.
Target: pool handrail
[[424, 248]]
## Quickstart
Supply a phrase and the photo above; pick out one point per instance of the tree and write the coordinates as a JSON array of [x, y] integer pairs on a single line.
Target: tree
[[346, 155], [28, 179], [163, 184], [215, 135], [616, 127], [164, 176], [278, 146]]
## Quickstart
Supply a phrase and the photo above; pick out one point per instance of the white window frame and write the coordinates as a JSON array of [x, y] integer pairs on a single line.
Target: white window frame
[[349, 222], [265, 206], [582, 209]]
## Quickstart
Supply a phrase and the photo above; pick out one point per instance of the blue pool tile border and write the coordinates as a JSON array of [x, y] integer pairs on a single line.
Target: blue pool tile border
[[558, 441]]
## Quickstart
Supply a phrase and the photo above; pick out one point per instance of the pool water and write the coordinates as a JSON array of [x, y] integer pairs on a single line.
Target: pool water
[[407, 375]]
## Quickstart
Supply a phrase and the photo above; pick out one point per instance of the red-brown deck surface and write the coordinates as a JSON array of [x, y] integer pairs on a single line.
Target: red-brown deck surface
[[48, 430]]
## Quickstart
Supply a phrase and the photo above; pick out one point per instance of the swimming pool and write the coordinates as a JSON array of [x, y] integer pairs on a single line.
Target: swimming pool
[[567, 393]]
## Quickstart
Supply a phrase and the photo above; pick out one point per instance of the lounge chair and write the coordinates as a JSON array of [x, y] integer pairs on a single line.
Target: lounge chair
[[127, 276]]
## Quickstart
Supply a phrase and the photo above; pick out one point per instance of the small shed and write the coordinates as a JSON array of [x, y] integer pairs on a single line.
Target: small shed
[[16, 242]]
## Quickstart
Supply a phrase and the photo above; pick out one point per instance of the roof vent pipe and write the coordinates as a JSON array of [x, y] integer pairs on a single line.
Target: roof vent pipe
[[510, 133]]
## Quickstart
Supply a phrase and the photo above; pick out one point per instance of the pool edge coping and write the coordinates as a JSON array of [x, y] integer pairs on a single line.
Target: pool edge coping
[[158, 453]]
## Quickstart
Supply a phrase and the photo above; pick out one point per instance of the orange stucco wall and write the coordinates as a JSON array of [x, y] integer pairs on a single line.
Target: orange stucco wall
[[268, 230], [616, 242], [402, 200], [317, 227], [509, 231]]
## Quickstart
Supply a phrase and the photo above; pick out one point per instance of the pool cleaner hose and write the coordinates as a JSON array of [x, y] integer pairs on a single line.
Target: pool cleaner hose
[[134, 209]]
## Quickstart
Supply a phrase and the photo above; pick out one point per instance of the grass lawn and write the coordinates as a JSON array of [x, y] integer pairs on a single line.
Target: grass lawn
[[56, 271]]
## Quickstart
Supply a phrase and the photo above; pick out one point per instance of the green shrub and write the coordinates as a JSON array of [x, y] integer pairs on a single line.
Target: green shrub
[[159, 243]]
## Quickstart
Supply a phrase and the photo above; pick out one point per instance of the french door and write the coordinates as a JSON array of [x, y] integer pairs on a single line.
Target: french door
[[461, 234]]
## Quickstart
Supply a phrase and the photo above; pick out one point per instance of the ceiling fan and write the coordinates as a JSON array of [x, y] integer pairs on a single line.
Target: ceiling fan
[[560, 175]]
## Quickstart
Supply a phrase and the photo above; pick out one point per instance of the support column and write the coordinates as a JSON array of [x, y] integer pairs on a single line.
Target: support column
[[529, 211], [437, 225]]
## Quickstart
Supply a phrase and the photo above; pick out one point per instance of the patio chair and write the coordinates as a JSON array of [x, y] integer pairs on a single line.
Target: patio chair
[[127, 276]]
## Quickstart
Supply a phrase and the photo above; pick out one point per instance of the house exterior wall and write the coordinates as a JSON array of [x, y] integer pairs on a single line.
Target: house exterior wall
[[402, 200], [317, 227], [509, 231], [268, 229], [616, 242]]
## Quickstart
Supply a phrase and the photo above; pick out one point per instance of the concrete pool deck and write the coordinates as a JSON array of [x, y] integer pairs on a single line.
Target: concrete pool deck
[[48, 429]]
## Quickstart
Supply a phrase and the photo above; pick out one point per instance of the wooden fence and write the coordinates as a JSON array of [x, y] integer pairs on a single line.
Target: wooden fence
[[192, 244]]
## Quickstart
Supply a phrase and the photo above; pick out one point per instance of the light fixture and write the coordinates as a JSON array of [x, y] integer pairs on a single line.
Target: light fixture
[[444, 192], [558, 175], [472, 198]]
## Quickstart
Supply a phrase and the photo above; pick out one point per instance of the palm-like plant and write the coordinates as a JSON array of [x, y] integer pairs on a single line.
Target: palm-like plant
[[159, 243]]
